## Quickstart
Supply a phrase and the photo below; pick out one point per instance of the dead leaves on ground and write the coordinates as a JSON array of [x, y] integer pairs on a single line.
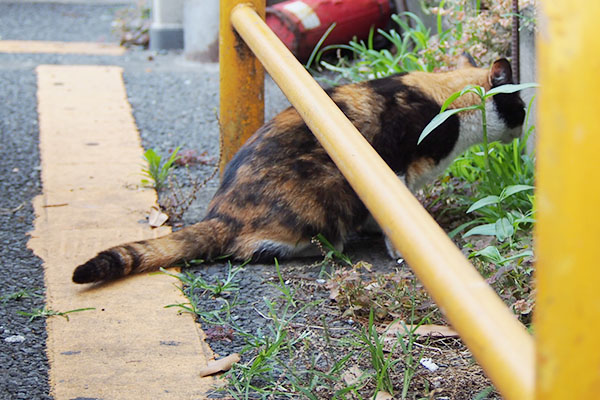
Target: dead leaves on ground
[[354, 375], [400, 328], [357, 291], [157, 218], [392, 332], [383, 396], [220, 365]]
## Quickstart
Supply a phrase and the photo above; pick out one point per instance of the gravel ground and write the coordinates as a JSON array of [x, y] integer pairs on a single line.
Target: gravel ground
[[23, 361], [61, 22], [175, 104]]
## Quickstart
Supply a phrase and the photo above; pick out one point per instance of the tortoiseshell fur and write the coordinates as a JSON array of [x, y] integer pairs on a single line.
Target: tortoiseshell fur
[[281, 188]]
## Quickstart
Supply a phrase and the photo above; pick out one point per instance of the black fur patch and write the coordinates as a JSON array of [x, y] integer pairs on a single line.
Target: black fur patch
[[242, 157], [136, 259], [511, 109], [402, 123], [106, 265], [305, 169], [267, 252]]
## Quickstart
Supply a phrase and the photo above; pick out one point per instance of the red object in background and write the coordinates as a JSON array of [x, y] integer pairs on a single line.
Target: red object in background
[[300, 24]]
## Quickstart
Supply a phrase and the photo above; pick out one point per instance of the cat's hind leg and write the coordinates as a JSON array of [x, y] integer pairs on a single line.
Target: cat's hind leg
[[263, 250], [267, 250]]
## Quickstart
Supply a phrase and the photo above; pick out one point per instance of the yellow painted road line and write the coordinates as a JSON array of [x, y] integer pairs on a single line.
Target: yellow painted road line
[[39, 46], [130, 346]]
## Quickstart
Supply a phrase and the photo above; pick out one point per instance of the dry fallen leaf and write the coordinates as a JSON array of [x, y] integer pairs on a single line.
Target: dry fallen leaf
[[157, 218], [435, 330], [352, 375], [423, 330], [383, 396], [220, 365]]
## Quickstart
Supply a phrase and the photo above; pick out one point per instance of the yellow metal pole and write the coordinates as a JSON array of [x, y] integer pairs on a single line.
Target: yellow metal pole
[[241, 100], [567, 315], [498, 341]]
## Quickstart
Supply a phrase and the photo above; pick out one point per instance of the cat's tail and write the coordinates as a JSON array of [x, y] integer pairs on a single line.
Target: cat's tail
[[205, 240]]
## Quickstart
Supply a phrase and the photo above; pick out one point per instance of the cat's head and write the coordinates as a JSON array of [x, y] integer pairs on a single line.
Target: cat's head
[[505, 111]]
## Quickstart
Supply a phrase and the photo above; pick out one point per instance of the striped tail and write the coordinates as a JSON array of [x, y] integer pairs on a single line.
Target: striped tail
[[205, 240]]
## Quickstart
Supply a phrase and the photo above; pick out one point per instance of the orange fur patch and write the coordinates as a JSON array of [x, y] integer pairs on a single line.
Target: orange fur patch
[[286, 120], [418, 168], [362, 106], [439, 86]]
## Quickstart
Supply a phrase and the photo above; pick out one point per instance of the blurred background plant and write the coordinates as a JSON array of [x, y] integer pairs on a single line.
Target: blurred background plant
[[132, 24], [479, 28]]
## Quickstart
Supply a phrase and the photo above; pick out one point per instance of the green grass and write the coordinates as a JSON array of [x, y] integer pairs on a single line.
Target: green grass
[[36, 313], [302, 351], [193, 287], [501, 213], [416, 48], [46, 312], [20, 294], [382, 363], [156, 171], [498, 195]]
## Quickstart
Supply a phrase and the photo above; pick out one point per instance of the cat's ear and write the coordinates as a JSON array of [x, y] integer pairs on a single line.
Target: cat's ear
[[501, 73], [465, 61]]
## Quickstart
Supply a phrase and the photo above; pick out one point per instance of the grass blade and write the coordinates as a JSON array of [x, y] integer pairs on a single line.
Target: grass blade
[[510, 190], [486, 230], [510, 88], [486, 201], [440, 119]]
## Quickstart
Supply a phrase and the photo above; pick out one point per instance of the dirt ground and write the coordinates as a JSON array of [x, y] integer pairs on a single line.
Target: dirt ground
[[330, 300]]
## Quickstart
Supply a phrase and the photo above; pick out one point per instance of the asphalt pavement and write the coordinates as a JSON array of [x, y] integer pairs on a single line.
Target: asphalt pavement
[[174, 102]]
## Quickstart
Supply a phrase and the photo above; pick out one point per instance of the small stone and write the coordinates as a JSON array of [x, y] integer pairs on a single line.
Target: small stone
[[15, 339]]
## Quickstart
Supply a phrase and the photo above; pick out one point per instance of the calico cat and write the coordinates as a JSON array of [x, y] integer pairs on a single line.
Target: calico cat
[[281, 188]]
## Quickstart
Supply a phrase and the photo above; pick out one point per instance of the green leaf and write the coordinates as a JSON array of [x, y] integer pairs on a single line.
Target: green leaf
[[525, 220], [510, 190], [440, 119], [484, 393], [504, 229], [486, 201], [171, 159], [510, 88], [486, 229], [458, 229], [526, 253], [456, 95], [491, 253], [450, 100], [317, 47]]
